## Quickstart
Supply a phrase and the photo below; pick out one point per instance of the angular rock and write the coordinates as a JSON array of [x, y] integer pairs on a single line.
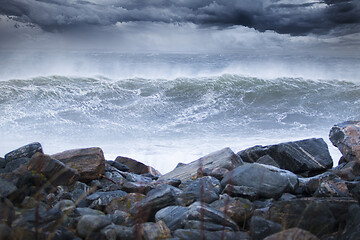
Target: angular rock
[[266, 159], [88, 211], [218, 173], [346, 137], [267, 181], [113, 232], [137, 187], [352, 227], [125, 203], [172, 216], [309, 156], [150, 231], [240, 191], [292, 234], [348, 171], [238, 209], [132, 177], [332, 189], [204, 189], [261, 228], [89, 225], [118, 166], [79, 193], [202, 212], [24, 152], [7, 211], [136, 167], [6, 188], [100, 200], [2, 162], [224, 158], [158, 198], [15, 164], [190, 234], [89, 162], [55, 171], [313, 183], [207, 226]]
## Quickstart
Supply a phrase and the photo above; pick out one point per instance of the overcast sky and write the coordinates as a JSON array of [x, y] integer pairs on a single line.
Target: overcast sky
[[181, 25]]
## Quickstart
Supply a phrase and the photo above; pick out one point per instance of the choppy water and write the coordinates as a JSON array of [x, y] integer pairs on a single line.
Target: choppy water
[[162, 121]]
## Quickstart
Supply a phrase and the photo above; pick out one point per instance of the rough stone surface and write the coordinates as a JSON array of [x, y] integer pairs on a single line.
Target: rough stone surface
[[346, 137], [2, 162], [55, 171], [125, 203], [7, 211], [24, 152], [136, 167], [204, 189], [113, 232], [118, 166], [261, 228], [89, 162], [100, 200], [267, 181], [172, 216], [292, 234], [352, 227], [348, 171], [151, 231], [268, 160], [6, 188], [240, 191], [309, 156], [191, 234], [224, 158], [218, 173], [89, 224]]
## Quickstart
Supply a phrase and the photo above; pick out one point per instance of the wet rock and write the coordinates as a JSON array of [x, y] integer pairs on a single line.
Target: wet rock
[[238, 209], [101, 199], [224, 158], [113, 232], [151, 231], [308, 157], [172, 216], [203, 212], [261, 228], [346, 137], [91, 225], [205, 189], [119, 166], [55, 171], [125, 203], [7, 211], [26, 151], [292, 234], [272, 183], [6, 188], [240, 191], [352, 227], [190, 234], [158, 198], [136, 167], [89, 162], [218, 173]]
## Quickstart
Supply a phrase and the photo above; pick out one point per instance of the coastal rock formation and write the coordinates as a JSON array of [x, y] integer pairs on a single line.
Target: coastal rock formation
[[216, 197], [346, 137], [136, 167]]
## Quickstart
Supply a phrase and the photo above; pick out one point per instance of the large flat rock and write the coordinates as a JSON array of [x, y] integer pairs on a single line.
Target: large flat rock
[[224, 158]]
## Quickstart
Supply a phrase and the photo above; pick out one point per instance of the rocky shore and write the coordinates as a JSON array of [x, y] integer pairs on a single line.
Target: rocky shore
[[283, 191]]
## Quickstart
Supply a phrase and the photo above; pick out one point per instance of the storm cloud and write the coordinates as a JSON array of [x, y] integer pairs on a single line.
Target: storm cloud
[[296, 17]]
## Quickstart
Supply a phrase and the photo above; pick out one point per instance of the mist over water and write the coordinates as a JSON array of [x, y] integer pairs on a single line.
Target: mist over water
[[162, 109]]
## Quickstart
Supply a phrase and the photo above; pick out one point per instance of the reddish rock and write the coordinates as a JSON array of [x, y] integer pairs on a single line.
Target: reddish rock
[[346, 137], [137, 167], [54, 170], [89, 162], [292, 234]]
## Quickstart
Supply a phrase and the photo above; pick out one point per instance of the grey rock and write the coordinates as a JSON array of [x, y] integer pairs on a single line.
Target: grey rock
[[113, 232], [119, 166], [101, 199], [136, 166], [240, 191], [352, 227], [332, 189], [119, 217], [190, 234], [26, 151], [132, 177], [90, 224], [79, 193], [202, 225], [224, 158], [152, 231], [6, 232], [261, 228], [6, 188], [7, 211], [348, 171], [137, 187], [218, 173], [16, 163], [204, 189], [88, 211], [2, 162], [172, 216], [292, 234], [267, 181], [268, 160], [126, 203]]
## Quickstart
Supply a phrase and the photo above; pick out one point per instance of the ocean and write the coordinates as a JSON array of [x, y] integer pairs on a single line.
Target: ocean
[[162, 109]]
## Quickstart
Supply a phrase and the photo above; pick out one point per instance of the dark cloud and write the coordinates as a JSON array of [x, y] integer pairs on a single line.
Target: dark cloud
[[297, 17]]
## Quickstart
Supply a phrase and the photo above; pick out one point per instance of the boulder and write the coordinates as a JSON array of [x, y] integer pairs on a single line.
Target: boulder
[[91, 225], [292, 234], [125, 203], [137, 187], [261, 228], [26, 151], [218, 172], [100, 200], [266, 159], [240, 191], [113, 232], [308, 157], [2, 162], [172, 216], [224, 158], [204, 189], [136, 167], [190, 234], [7, 211], [151, 231], [348, 171], [6, 188], [203, 225], [346, 137], [118, 166], [89, 162], [238, 209], [352, 227], [55, 171], [267, 181], [88, 211]]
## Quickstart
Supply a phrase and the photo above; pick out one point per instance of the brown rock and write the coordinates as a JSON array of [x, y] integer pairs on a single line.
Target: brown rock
[[54, 170], [292, 234], [346, 137], [157, 230], [137, 167], [347, 170], [89, 162], [125, 203]]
